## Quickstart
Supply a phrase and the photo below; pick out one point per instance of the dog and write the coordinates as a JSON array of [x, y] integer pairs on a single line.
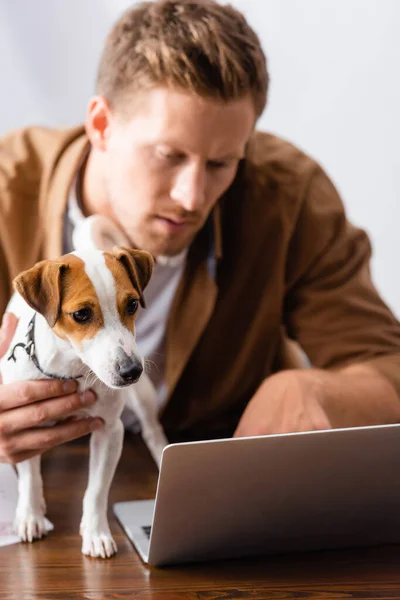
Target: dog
[[77, 320]]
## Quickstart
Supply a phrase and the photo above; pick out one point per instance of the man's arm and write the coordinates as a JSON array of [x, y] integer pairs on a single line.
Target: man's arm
[[310, 399], [335, 314]]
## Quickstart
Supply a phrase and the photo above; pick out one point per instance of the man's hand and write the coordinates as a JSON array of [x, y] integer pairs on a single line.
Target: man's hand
[[26, 405], [285, 402], [311, 399]]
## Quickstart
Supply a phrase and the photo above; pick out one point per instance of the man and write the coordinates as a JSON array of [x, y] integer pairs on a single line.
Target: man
[[258, 244]]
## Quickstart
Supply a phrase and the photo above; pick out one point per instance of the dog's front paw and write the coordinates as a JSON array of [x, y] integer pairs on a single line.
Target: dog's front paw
[[98, 544], [30, 526]]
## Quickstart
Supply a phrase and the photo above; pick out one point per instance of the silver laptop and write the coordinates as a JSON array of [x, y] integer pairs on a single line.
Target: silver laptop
[[270, 494]]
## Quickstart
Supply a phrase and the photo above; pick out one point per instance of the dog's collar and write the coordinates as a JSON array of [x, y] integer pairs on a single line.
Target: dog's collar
[[30, 349]]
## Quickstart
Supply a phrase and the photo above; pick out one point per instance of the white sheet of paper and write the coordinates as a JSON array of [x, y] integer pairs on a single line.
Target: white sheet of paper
[[8, 504]]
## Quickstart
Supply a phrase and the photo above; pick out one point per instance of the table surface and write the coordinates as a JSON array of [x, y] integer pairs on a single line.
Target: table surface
[[54, 568]]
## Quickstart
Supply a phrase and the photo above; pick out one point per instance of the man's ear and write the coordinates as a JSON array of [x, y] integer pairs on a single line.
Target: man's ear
[[40, 287], [139, 266], [97, 122]]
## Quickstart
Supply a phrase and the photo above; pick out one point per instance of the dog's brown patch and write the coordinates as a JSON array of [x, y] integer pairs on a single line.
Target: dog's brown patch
[[77, 292], [124, 287]]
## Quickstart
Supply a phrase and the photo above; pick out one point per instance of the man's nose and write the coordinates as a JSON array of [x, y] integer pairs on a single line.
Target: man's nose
[[189, 188]]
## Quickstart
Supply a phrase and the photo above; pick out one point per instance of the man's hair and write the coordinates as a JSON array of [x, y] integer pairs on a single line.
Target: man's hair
[[198, 46]]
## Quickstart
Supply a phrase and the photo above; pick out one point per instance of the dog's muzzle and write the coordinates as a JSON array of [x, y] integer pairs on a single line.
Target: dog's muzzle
[[128, 368]]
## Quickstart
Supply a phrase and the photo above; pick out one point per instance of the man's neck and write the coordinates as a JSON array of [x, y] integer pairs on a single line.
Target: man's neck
[[92, 191]]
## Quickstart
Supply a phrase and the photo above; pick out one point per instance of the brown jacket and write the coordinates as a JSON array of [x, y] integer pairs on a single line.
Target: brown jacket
[[285, 256]]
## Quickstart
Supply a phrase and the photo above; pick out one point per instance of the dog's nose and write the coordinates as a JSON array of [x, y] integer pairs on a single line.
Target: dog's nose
[[130, 370]]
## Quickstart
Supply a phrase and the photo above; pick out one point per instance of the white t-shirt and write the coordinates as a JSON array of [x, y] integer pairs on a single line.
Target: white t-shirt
[[151, 322]]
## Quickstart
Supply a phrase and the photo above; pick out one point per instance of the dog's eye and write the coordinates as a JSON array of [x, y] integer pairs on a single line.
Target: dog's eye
[[84, 315], [131, 306]]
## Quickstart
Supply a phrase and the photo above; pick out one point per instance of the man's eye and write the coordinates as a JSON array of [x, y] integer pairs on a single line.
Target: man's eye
[[217, 164], [131, 306], [170, 156], [84, 315]]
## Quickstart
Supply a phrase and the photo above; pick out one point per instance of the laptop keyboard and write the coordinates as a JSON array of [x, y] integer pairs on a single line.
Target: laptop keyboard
[[147, 530]]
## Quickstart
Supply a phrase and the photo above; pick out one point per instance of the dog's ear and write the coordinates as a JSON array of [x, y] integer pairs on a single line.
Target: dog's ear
[[139, 266], [40, 287]]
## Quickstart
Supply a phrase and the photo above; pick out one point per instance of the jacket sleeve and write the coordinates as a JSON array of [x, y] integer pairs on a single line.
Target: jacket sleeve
[[5, 283], [332, 308], [5, 234], [20, 171]]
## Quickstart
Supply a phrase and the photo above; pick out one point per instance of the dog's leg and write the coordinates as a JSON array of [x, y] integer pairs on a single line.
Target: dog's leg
[[29, 521], [105, 450], [141, 398]]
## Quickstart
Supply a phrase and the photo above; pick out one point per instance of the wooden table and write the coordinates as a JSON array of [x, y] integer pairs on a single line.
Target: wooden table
[[54, 568]]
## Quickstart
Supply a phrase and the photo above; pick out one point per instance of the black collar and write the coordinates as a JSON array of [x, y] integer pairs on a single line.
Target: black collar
[[30, 349]]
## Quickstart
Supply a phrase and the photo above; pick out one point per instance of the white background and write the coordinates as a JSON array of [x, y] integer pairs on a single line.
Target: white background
[[335, 91]]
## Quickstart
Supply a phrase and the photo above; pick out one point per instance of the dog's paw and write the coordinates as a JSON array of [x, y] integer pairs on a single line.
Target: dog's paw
[[30, 526], [98, 544]]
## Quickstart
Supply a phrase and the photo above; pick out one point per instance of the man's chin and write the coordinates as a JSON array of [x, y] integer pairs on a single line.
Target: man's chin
[[161, 243]]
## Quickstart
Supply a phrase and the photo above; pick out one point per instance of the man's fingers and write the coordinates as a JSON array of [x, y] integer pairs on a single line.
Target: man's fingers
[[36, 441], [44, 412], [22, 393], [20, 456], [8, 327]]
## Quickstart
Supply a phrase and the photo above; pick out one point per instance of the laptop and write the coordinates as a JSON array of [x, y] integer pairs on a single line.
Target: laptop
[[270, 494]]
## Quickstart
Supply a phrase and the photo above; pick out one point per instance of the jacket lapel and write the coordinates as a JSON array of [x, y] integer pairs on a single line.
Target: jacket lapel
[[55, 190], [193, 304]]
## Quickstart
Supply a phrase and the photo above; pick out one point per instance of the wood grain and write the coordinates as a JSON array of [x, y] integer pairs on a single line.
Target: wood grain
[[55, 569]]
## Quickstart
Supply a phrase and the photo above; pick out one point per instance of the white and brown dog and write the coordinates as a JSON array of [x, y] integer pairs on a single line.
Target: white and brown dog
[[77, 320]]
